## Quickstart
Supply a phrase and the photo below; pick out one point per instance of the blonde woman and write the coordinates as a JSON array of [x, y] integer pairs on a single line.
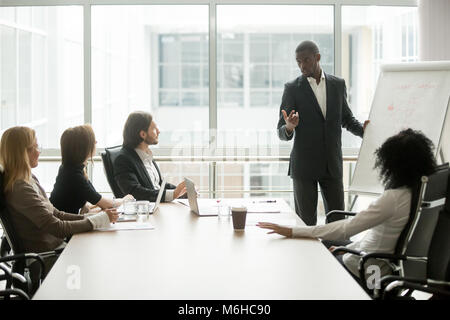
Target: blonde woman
[[72, 189], [40, 226]]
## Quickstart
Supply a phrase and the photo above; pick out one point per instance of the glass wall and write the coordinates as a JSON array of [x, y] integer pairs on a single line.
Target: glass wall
[[371, 36], [255, 58], [156, 58], [41, 63], [152, 58]]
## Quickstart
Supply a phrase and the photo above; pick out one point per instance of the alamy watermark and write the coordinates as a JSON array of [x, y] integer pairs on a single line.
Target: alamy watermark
[[373, 278], [74, 277]]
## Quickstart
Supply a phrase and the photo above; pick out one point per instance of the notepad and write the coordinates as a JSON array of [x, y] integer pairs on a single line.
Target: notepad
[[263, 208], [128, 226]]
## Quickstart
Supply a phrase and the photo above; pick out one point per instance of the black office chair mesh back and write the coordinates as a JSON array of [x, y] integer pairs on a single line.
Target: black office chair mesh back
[[447, 200], [8, 228], [418, 239], [438, 266], [108, 158]]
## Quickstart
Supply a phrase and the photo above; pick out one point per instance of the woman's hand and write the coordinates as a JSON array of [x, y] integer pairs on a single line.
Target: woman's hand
[[118, 202], [332, 248], [112, 214], [94, 209], [284, 231]]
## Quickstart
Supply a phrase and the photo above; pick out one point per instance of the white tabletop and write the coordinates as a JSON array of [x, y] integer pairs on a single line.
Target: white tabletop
[[190, 257]]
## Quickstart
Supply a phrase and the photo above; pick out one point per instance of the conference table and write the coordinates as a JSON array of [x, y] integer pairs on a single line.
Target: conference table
[[187, 257]]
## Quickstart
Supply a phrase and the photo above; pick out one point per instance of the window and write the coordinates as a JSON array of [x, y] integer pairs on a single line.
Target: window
[[183, 70], [152, 58], [371, 36], [255, 58], [41, 80], [156, 58]]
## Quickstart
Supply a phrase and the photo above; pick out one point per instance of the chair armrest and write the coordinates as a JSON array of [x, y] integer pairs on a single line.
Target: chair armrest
[[47, 254], [340, 213], [386, 280], [376, 255], [9, 275], [25, 256], [387, 256], [401, 284], [7, 293], [348, 250]]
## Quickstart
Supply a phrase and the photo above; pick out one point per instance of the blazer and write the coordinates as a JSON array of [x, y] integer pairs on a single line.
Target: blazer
[[132, 177], [39, 225], [317, 149]]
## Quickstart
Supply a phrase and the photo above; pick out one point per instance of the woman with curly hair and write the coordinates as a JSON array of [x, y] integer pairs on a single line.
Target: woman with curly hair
[[401, 160]]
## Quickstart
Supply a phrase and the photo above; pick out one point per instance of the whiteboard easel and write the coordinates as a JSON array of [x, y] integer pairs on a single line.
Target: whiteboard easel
[[408, 95]]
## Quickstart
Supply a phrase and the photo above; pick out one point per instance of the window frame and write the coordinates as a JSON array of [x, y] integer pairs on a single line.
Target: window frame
[[213, 90]]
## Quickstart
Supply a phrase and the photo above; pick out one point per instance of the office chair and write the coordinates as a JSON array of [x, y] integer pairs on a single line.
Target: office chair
[[411, 252], [108, 158], [30, 266], [7, 294], [437, 279]]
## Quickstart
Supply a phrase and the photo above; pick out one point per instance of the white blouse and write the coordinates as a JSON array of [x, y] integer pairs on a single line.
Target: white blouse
[[384, 219]]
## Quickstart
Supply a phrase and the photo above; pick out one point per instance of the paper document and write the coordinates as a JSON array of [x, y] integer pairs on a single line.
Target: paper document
[[128, 226], [263, 208], [252, 206]]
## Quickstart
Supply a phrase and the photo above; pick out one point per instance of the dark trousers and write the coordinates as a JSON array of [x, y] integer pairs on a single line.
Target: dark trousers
[[305, 197]]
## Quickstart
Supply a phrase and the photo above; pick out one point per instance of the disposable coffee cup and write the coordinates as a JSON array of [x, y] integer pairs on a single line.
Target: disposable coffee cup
[[239, 214]]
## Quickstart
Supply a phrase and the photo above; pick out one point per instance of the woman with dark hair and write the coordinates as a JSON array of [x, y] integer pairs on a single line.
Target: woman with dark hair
[[402, 160], [72, 189], [40, 226]]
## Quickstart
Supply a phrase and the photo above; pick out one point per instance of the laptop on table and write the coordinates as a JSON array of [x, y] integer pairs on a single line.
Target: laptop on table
[[202, 211]]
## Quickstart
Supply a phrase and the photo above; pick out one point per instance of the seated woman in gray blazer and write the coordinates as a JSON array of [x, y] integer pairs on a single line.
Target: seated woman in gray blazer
[[402, 160], [40, 226]]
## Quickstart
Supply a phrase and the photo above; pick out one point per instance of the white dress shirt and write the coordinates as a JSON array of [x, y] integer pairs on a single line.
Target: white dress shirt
[[147, 159], [320, 91], [384, 219]]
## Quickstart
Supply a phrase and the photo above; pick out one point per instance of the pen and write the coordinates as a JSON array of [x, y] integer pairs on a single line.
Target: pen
[[266, 201]]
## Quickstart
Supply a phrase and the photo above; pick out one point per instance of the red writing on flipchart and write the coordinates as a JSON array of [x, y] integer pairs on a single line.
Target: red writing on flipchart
[[420, 86], [403, 86], [427, 86]]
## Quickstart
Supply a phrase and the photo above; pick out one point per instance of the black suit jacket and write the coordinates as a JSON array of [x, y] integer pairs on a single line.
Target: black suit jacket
[[317, 150], [132, 177]]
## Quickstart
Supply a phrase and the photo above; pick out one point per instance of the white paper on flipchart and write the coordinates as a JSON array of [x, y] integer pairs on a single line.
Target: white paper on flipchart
[[128, 226]]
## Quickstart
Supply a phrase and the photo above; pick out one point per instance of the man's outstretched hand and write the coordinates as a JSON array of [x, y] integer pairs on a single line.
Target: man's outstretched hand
[[291, 120]]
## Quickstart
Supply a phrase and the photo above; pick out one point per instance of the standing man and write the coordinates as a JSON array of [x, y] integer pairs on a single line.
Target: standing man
[[135, 171], [313, 109]]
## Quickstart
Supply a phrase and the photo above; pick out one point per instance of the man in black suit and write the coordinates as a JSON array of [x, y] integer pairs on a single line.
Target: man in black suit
[[135, 171], [313, 110]]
